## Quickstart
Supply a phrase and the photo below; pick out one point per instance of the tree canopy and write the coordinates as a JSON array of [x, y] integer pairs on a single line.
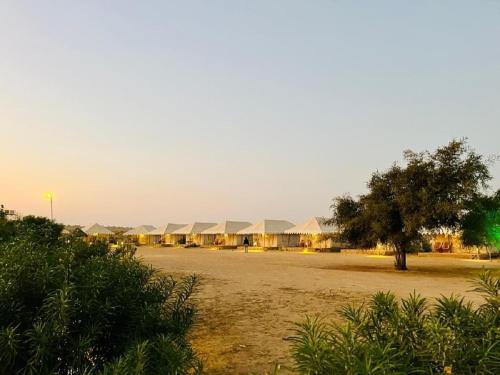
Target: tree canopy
[[481, 223], [430, 191]]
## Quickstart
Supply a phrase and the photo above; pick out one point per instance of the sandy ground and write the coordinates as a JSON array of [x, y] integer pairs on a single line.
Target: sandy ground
[[247, 302]]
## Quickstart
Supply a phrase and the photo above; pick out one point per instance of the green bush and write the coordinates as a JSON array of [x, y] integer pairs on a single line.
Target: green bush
[[414, 247], [426, 246], [77, 308], [406, 337]]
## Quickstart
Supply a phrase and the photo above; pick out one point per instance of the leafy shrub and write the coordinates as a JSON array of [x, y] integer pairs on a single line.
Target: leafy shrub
[[407, 337], [426, 246], [77, 308], [414, 247], [30, 228]]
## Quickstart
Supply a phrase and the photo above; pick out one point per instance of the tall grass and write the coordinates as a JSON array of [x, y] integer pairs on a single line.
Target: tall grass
[[410, 336]]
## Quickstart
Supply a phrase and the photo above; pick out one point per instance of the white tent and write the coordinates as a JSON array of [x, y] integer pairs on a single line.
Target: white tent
[[227, 227], [194, 228], [193, 232], [314, 225], [96, 230], [164, 234], [141, 229], [225, 234], [314, 233], [138, 234], [268, 227], [165, 229], [271, 234]]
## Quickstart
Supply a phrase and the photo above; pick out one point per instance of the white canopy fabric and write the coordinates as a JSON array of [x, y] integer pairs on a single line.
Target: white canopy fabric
[[141, 229], [165, 229], [315, 225], [95, 229], [440, 230], [227, 227], [194, 228], [268, 227]]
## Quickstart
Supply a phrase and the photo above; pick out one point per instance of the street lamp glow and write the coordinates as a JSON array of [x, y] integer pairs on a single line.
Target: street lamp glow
[[50, 196]]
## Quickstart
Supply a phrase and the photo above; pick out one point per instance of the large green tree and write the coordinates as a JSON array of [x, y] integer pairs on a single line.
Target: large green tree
[[429, 191], [481, 223]]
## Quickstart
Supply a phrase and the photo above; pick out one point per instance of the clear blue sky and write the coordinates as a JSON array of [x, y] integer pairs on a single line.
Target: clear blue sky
[[149, 112]]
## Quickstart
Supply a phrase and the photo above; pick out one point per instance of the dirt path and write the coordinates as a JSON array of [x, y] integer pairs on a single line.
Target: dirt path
[[247, 302]]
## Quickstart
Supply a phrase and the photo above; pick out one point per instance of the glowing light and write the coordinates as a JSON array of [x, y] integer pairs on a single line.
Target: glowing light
[[306, 251], [49, 196], [493, 228]]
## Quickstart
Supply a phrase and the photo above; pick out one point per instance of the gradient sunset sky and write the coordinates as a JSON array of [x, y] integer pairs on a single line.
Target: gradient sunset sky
[[173, 111]]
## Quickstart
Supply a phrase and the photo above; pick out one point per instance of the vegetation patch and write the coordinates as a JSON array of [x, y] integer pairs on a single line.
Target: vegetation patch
[[411, 336], [68, 307]]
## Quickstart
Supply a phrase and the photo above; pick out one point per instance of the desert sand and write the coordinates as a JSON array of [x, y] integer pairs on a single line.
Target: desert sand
[[248, 302]]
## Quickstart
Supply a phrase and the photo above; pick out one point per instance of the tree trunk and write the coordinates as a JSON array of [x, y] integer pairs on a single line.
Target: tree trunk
[[400, 263]]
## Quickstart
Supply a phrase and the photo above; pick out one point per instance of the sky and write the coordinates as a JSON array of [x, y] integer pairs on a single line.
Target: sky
[[178, 111]]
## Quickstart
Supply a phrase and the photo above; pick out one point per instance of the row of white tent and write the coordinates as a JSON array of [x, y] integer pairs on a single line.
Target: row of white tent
[[267, 233]]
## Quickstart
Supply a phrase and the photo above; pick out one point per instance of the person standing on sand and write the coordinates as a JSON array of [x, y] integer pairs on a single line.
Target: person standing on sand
[[245, 244]]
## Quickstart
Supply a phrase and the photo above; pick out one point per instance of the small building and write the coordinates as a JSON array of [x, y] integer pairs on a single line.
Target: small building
[[138, 234], [225, 234], [446, 240], [78, 232], [271, 234], [314, 233], [163, 235], [96, 230], [441, 240], [9, 214], [193, 232]]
